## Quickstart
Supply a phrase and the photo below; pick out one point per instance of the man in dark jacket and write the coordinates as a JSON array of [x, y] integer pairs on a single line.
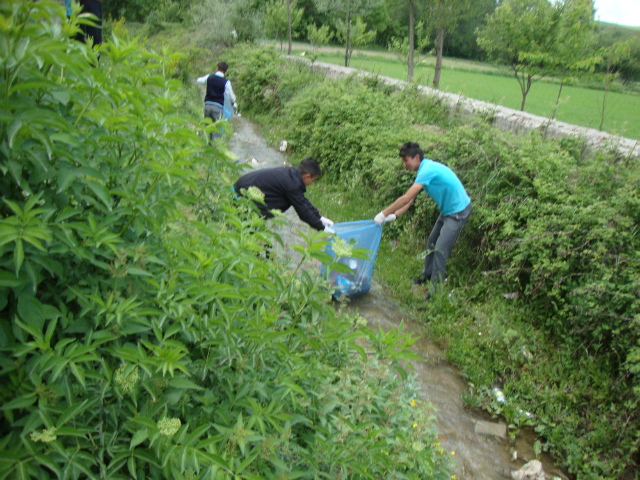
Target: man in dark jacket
[[285, 187]]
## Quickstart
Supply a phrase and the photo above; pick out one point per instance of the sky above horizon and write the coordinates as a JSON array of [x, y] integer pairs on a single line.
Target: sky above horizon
[[622, 12]]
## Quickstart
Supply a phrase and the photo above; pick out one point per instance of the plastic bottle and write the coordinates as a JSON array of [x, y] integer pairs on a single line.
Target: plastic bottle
[[343, 284]]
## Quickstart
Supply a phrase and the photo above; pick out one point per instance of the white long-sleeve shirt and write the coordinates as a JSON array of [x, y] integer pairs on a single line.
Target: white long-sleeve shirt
[[227, 88]]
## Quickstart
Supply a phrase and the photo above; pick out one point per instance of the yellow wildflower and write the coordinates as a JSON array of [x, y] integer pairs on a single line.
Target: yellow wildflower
[[440, 451], [48, 435], [169, 426], [453, 477], [413, 402], [415, 425], [453, 453]]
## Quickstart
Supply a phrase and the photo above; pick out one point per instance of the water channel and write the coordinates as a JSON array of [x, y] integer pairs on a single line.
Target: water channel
[[477, 456]]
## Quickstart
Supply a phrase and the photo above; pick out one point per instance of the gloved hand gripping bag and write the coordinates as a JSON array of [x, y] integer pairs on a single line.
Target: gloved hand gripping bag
[[366, 235]]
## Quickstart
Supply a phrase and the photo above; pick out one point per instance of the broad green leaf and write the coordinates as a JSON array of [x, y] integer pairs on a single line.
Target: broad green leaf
[[183, 383]]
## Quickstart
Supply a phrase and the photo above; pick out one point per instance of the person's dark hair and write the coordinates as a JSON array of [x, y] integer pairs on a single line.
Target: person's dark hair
[[411, 149], [309, 165], [223, 67]]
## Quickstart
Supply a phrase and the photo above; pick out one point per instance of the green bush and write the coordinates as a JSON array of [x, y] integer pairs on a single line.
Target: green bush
[[143, 333]]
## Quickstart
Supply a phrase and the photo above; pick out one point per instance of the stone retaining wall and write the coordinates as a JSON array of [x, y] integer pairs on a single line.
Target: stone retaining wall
[[502, 118]]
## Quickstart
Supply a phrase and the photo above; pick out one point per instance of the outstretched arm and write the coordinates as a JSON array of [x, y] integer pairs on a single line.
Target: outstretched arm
[[400, 206], [305, 209], [400, 211], [202, 80], [404, 201]]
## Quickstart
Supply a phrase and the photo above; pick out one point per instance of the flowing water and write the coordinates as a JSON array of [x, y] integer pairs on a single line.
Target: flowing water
[[476, 456]]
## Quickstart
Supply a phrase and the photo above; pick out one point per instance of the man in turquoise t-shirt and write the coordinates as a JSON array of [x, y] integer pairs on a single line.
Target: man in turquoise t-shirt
[[443, 186]]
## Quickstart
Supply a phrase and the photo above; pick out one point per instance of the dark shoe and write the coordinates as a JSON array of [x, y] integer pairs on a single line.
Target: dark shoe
[[419, 280]]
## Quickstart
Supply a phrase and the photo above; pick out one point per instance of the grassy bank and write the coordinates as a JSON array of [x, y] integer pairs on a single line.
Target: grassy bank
[[551, 225], [578, 105]]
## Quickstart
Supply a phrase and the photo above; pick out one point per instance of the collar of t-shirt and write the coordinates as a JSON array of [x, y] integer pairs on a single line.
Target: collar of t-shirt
[[219, 74]]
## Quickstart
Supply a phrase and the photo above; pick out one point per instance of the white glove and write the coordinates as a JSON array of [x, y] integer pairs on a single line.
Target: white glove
[[326, 222], [328, 229], [390, 218], [379, 219], [235, 105]]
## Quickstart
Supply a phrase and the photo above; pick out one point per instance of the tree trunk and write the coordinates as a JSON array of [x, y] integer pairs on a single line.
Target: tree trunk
[[289, 17], [346, 53], [411, 41], [558, 99], [604, 97], [525, 91], [439, 45]]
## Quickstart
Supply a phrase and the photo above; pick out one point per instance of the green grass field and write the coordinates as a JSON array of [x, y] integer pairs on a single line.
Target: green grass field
[[578, 106]]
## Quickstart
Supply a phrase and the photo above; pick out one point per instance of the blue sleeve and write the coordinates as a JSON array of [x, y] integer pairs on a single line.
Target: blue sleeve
[[423, 177]]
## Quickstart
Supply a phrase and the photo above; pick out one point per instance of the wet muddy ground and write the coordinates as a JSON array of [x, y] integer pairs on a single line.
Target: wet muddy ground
[[477, 456]]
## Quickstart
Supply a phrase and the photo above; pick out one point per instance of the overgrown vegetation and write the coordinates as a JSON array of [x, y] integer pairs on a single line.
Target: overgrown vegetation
[[551, 225], [143, 333]]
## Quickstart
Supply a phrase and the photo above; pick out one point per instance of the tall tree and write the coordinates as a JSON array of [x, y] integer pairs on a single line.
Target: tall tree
[[347, 9], [521, 34], [402, 47], [610, 56], [444, 15], [318, 36], [574, 47], [289, 24], [630, 68], [412, 20], [276, 19], [358, 33]]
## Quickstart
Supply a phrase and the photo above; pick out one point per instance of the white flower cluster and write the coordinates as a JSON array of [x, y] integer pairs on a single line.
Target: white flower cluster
[[341, 248], [127, 383], [169, 426], [48, 435], [254, 193]]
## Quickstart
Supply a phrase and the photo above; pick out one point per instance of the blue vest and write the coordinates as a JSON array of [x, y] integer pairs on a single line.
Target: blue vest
[[215, 89]]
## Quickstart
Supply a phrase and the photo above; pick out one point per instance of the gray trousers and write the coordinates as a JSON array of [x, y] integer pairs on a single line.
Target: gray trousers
[[213, 112], [440, 244]]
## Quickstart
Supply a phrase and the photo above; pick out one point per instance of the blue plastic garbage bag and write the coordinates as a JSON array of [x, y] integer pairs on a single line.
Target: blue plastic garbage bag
[[227, 108], [366, 235]]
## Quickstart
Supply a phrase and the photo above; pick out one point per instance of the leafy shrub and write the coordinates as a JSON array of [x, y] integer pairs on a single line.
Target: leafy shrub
[[143, 334]]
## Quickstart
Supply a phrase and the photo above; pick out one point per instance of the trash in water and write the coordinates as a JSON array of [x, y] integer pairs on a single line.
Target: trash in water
[[499, 395], [526, 414], [511, 295], [252, 161], [283, 146]]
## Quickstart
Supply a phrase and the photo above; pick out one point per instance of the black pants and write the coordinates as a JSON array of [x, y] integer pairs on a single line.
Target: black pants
[[95, 7]]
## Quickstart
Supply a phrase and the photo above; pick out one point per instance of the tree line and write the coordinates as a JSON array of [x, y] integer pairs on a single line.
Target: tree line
[[532, 38]]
